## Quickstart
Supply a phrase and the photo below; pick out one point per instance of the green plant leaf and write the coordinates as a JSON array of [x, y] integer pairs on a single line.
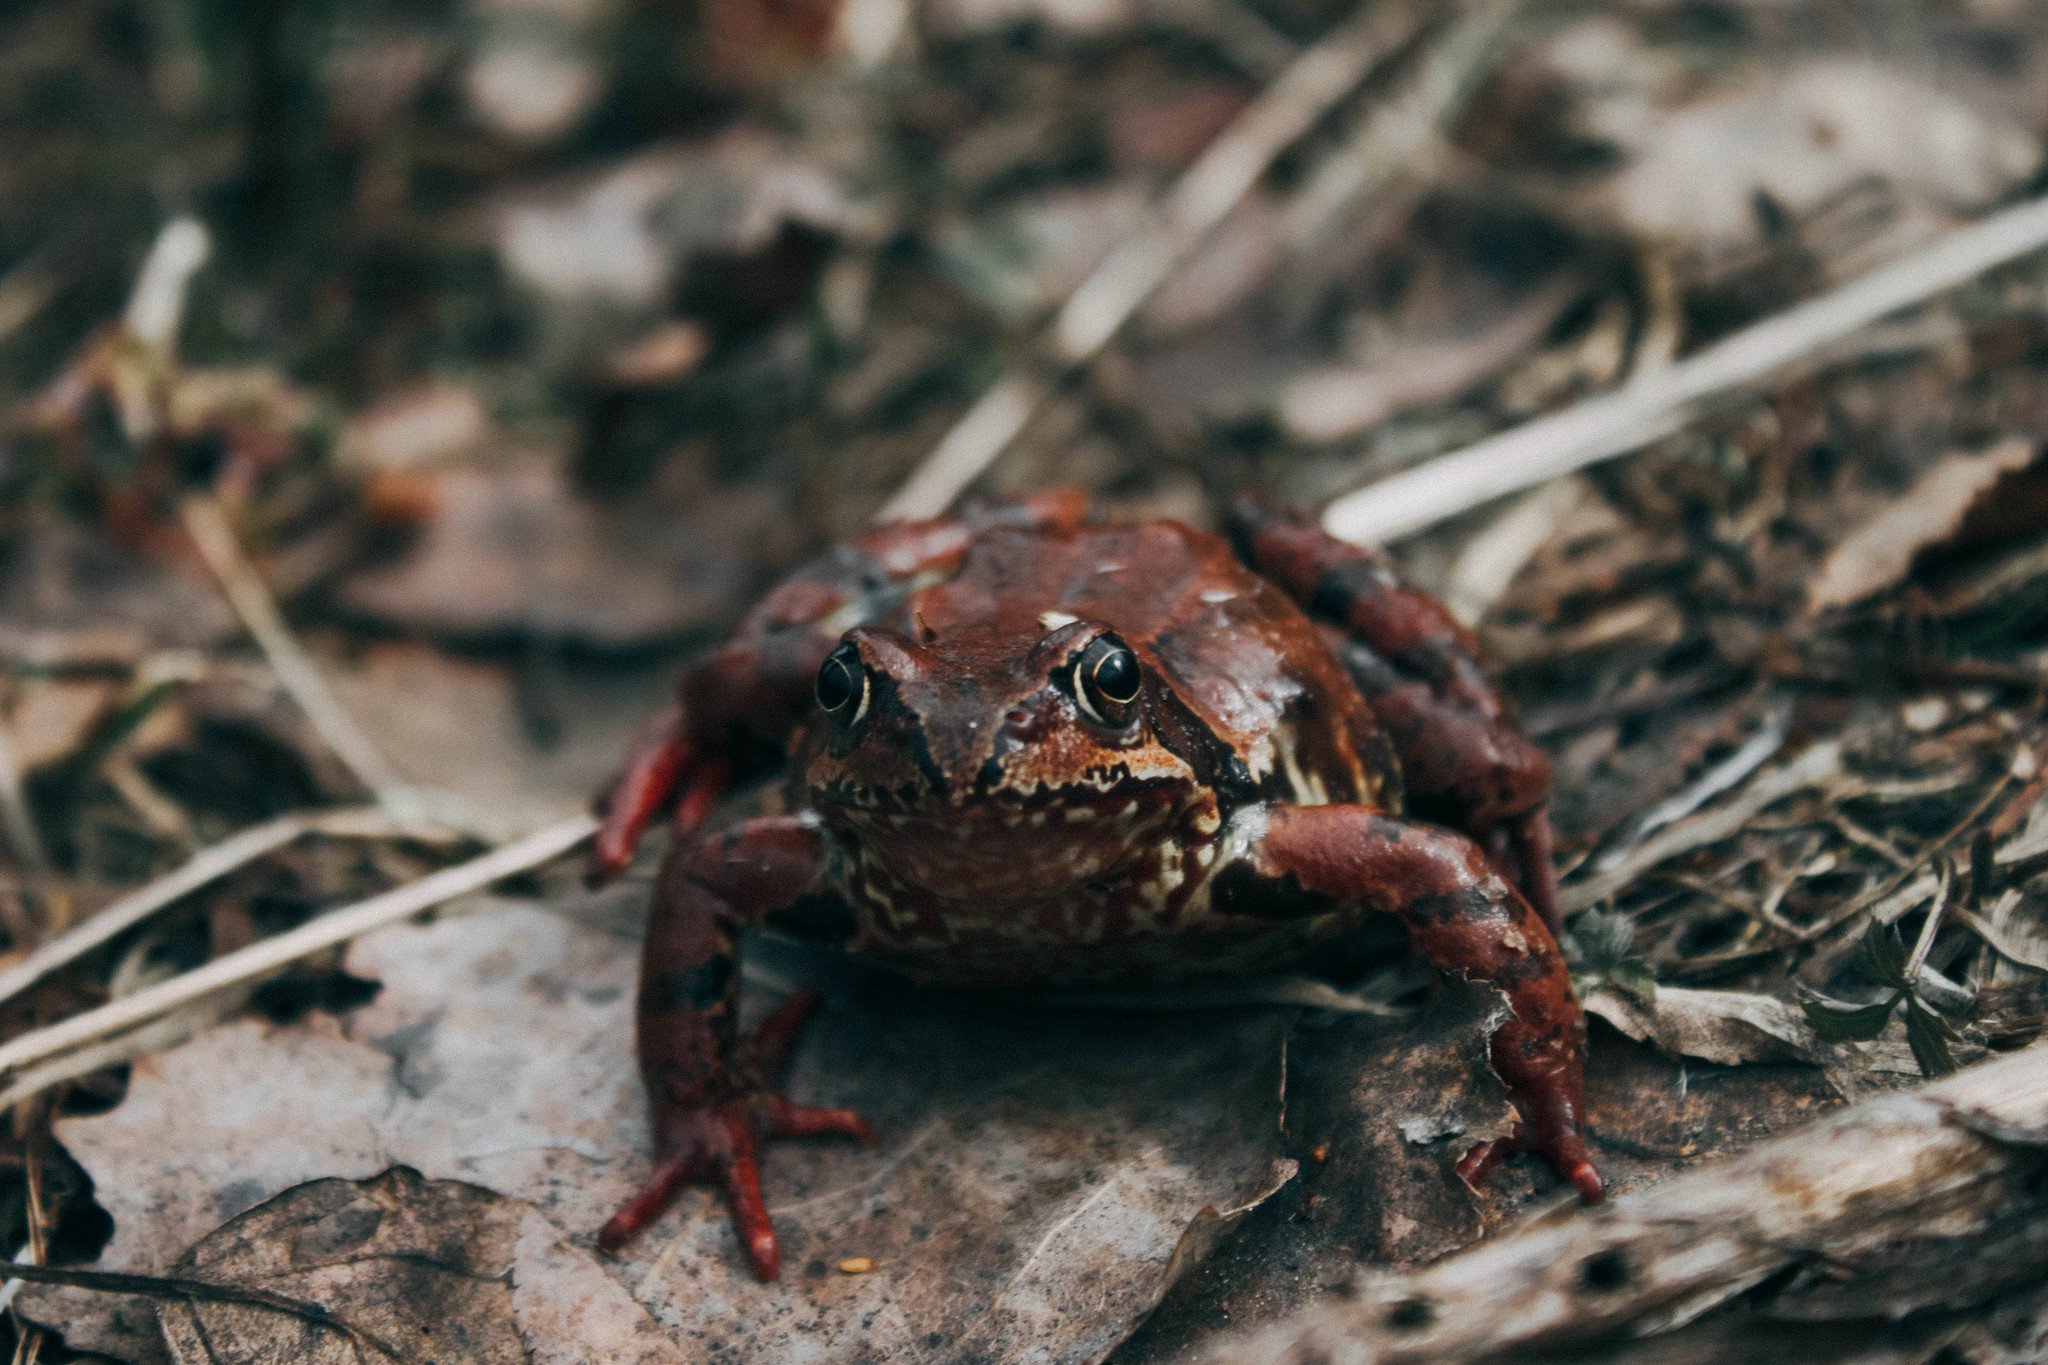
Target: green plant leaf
[[1848, 1026], [1928, 1034], [1635, 977], [1600, 949], [1882, 956]]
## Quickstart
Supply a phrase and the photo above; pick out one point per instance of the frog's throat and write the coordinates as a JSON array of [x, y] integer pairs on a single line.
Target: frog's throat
[[1009, 849]]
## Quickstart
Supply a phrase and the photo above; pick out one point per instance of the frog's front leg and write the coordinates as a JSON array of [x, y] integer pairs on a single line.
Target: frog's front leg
[[709, 1089], [1464, 917]]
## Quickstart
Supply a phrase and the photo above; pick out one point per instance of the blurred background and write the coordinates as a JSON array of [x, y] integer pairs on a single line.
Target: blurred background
[[534, 336], [509, 347]]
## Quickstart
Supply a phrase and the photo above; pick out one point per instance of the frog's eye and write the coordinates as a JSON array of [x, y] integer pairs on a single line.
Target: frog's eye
[[1107, 682], [843, 685]]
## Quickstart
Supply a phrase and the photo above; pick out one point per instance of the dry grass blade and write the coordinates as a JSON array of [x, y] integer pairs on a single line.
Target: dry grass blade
[[1817, 765], [1663, 401], [207, 524], [38, 1059], [203, 867], [1216, 182]]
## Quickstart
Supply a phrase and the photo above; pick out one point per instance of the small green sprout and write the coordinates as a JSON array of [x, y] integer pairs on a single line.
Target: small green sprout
[[1882, 956], [1600, 950]]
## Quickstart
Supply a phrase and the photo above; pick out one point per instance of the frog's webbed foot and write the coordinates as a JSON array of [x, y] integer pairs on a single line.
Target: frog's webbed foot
[[1547, 1132], [1464, 917], [710, 1090], [715, 1144]]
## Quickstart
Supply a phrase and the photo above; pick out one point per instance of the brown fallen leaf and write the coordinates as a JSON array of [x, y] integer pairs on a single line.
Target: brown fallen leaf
[[1729, 1027], [1737, 1027], [412, 429], [1332, 404], [516, 552], [1800, 136], [407, 1269], [1965, 497]]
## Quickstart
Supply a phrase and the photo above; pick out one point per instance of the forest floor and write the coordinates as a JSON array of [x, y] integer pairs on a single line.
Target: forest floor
[[393, 398]]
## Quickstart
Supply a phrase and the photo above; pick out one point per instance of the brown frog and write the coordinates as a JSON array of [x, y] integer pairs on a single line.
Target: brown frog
[[1029, 748]]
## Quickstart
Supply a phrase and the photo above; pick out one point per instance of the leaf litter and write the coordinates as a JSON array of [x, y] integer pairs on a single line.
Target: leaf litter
[[596, 377], [1027, 1158]]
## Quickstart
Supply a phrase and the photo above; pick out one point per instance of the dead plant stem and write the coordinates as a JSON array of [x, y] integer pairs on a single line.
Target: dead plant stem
[[207, 523], [1662, 401], [1233, 162], [36, 1060]]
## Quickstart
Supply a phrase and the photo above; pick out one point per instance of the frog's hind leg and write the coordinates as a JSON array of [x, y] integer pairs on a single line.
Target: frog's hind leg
[[1462, 916], [1463, 762], [708, 1087]]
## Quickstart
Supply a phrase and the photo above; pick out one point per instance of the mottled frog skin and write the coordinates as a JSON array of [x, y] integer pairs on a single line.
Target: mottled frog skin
[[1024, 747]]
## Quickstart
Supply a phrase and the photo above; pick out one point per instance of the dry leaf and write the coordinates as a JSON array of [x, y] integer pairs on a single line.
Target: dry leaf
[[621, 237], [1729, 1027], [1041, 1174], [412, 429], [1332, 404], [1935, 510], [515, 551], [1802, 137], [412, 1268], [421, 1270]]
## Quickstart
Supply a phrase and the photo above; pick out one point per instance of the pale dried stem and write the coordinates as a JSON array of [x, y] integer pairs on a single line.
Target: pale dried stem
[[36, 1060], [1813, 767], [1932, 926], [207, 865], [1927, 1197], [1402, 137], [1208, 190], [17, 822], [1665, 400], [207, 523]]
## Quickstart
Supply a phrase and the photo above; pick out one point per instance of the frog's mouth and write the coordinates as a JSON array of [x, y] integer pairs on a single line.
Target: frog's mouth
[[1008, 847]]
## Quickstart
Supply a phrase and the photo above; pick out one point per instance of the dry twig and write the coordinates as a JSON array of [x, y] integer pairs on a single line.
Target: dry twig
[[209, 864], [1208, 190], [207, 524], [1926, 1199], [93, 1039], [1663, 401]]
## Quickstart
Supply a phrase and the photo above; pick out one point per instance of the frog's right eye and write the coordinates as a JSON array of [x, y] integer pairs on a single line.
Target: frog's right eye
[[843, 685]]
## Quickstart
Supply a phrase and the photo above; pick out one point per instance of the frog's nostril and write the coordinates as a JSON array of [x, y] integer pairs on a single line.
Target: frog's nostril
[[1017, 716]]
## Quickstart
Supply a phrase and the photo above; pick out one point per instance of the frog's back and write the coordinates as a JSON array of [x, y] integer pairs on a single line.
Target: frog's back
[[1270, 696]]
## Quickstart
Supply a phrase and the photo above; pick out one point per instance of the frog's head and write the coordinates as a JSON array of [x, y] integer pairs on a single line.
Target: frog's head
[[988, 762]]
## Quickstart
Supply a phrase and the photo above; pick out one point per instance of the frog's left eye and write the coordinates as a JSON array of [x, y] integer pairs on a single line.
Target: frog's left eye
[[1107, 682], [843, 685]]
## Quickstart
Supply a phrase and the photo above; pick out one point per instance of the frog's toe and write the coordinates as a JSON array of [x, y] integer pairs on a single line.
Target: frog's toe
[[716, 1145], [647, 1204], [785, 1119], [1563, 1147]]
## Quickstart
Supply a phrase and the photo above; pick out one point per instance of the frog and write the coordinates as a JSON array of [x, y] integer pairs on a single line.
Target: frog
[[1022, 747]]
